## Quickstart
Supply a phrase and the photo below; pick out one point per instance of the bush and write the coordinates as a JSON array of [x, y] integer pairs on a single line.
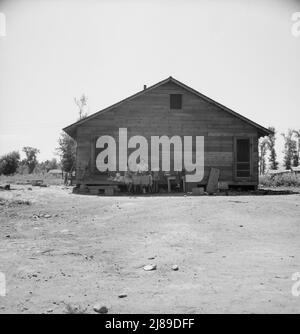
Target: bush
[[9, 163], [31, 157], [287, 180], [67, 152]]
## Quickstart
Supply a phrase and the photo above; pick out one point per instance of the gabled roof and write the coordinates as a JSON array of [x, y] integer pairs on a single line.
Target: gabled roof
[[262, 130]]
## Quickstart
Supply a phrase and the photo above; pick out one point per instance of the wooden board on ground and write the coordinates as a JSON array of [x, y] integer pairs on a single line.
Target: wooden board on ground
[[198, 191], [212, 184], [108, 190]]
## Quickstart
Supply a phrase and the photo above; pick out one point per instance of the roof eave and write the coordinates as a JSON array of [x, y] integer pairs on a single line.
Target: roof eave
[[262, 131], [78, 123]]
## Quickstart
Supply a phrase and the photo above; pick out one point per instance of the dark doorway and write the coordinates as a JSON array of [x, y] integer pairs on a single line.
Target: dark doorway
[[243, 158]]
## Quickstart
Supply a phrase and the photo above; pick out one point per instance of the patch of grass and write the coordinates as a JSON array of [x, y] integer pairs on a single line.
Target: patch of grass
[[284, 180]]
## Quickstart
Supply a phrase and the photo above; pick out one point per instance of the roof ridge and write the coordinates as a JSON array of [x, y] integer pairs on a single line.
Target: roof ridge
[[184, 86]]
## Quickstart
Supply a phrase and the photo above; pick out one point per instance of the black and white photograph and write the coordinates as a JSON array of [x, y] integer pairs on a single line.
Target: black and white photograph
[[149, 159]]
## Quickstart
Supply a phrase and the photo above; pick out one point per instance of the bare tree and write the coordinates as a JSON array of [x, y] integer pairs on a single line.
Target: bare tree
[[82, 106], [67, 145]]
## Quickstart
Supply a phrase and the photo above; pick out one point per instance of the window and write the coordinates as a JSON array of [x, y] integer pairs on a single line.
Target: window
[[175, 101], [243, 165]]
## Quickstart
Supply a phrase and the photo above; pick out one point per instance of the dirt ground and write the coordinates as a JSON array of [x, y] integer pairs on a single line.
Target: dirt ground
[[234, 253]]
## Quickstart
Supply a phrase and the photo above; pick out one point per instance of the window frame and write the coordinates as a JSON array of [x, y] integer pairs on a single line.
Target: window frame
[[170, 98], [240, 178]]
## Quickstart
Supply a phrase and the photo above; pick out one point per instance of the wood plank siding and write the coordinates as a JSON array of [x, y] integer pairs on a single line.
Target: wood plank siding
[[149, 114]]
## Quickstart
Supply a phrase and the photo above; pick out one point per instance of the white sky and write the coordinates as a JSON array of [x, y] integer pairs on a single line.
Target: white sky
[[240, 53]]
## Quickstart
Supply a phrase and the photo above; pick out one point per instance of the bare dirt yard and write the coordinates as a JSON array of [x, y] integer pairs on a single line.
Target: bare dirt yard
[[234, 253]]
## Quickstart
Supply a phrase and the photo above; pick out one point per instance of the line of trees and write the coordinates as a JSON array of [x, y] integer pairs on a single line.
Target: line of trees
[[11, 163], [291, 150]]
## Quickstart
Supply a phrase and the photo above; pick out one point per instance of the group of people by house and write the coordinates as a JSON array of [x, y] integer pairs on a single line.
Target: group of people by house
[[144, 181]]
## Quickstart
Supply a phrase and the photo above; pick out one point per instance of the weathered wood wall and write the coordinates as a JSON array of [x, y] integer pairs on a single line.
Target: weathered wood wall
[[150, 115]]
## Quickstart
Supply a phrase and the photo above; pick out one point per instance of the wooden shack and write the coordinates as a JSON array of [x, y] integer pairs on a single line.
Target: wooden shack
[[171, 108]]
